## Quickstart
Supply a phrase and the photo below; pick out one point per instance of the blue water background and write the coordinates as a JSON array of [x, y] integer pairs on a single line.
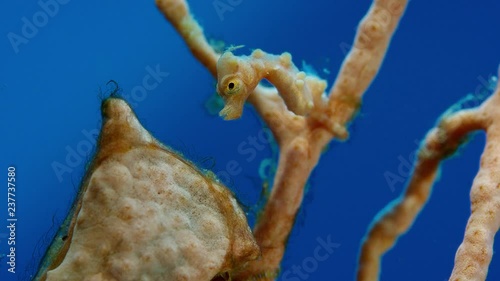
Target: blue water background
[[49, 95]]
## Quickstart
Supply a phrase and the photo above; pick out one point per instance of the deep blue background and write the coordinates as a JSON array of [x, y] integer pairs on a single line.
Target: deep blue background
[[49, 94]]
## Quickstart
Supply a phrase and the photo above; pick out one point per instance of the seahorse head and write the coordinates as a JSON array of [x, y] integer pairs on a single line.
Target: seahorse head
[[234, 84]]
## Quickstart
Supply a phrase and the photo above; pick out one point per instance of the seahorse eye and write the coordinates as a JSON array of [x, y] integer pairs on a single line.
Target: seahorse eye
[[233, 87]]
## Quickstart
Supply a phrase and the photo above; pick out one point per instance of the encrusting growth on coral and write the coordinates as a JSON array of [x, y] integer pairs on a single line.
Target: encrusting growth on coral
[[145, 213], [474, 254], [301, 129]]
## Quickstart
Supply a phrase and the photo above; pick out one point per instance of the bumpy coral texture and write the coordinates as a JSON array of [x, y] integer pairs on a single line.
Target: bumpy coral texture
[[147, 214]]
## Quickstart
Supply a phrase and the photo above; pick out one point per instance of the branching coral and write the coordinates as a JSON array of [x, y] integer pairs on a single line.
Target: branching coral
[[474, 254], [301, 117]]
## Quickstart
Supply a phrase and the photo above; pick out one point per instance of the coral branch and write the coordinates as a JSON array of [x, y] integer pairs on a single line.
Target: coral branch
[[474, 254], [399, 215], [363, 61], [177, 12], [297, 112]]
